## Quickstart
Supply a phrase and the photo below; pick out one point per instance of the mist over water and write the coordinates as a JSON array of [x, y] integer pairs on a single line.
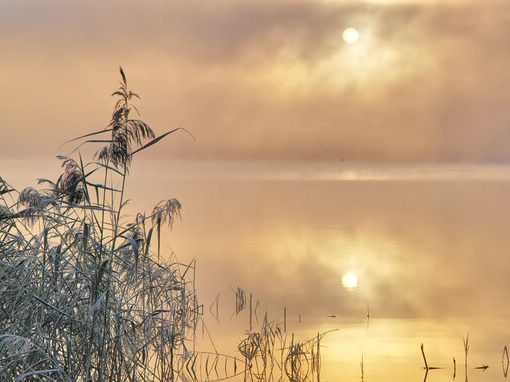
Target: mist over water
[[429, 246], [391, 254]]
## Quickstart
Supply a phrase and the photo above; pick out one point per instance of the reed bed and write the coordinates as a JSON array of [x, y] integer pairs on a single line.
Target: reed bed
[[84, 292], [270, 356]]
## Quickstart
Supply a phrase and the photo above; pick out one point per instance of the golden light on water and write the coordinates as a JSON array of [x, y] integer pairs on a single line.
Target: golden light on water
[[350, 35], [350, 280]]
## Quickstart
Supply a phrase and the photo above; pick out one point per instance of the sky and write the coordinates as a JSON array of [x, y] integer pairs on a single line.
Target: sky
[[427, 81]]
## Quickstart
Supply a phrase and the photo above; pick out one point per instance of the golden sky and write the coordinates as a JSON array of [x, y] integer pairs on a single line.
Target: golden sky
[[257, 79], [267, 80]]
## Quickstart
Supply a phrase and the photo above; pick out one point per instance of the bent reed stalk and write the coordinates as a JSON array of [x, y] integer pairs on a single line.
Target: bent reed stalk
[[83, 297]]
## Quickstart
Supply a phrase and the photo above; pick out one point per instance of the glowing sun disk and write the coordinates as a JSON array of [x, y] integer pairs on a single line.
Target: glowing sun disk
[[350, 280], [350, 35]]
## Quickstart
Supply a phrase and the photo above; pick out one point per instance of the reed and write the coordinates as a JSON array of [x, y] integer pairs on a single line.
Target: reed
[[270, 357], [427, 367], [84, 292], [362, 367], [465, 341], [505, 362], [424, 358]]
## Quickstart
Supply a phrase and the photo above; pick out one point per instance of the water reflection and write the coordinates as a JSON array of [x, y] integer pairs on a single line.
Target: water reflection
[[429, 248], [505, 361]]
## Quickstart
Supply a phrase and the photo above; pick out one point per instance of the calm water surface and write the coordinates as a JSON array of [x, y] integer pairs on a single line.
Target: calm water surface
[[430, 246]]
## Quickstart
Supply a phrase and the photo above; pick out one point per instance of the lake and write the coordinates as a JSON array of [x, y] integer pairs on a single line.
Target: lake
[[429, 246]]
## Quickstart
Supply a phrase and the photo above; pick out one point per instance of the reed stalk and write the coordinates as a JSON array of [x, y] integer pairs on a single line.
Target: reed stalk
[[83, 295]]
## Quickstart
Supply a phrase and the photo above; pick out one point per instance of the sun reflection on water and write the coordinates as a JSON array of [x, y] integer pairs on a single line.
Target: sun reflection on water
[[414, 236], [350, 280]]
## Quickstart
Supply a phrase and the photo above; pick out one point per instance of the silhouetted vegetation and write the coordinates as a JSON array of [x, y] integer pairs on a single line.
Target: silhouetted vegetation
[[86, 295], [83, 294]]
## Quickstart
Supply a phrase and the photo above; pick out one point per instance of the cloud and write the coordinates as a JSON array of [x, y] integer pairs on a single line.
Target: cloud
[[260, 79]]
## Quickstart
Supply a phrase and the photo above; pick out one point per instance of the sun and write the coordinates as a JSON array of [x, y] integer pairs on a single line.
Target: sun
[[350, 35], [350, 280]]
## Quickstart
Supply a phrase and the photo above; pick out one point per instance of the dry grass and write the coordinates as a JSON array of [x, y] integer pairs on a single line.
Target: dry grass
[[83, 295], [269, 356]]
